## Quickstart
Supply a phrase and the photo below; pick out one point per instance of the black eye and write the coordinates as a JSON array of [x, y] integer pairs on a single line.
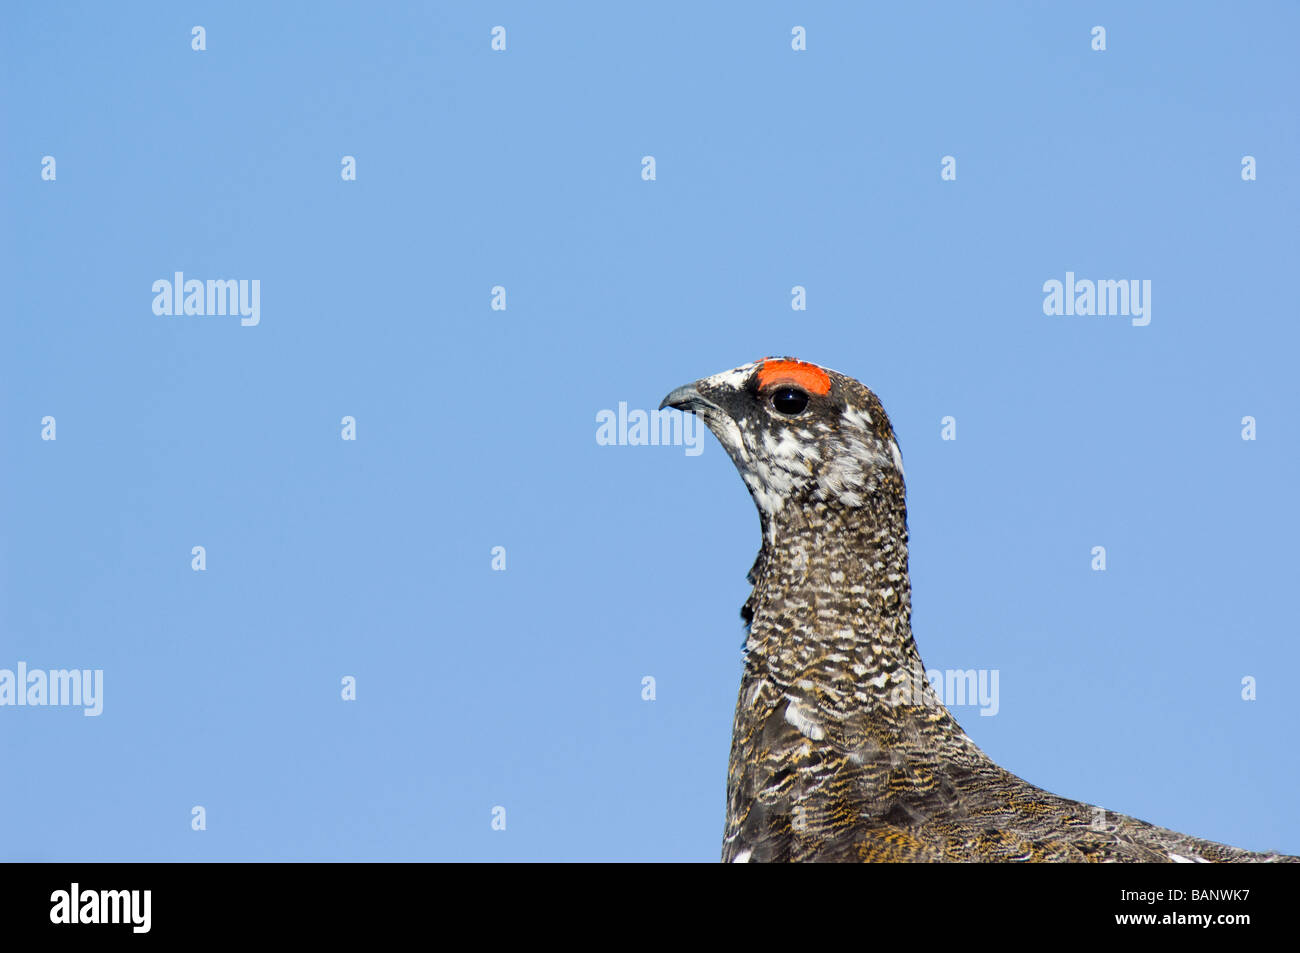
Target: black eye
[[790, 401]]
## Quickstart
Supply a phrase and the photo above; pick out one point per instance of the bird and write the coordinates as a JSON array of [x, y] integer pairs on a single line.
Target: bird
[[841, 749]]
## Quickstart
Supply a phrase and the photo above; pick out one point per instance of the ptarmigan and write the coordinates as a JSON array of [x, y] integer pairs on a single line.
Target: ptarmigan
[[840, 751]]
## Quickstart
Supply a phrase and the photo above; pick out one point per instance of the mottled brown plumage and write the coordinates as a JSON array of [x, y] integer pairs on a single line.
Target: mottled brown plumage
[[841, 750]]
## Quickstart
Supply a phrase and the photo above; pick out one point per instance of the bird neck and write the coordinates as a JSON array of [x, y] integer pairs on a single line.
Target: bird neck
[[832, 601]]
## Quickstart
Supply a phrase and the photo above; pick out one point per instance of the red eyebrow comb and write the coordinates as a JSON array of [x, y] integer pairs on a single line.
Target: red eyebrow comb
[[808, 376]]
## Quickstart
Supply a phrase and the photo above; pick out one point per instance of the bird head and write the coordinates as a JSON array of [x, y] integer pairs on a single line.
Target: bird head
[[796, 431]]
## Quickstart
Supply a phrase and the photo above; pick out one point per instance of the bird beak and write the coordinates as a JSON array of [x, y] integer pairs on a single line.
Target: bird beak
[[687, 398], [713, 411]]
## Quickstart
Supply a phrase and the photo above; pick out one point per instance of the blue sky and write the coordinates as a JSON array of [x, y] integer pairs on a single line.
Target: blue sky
[[476, 427]]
